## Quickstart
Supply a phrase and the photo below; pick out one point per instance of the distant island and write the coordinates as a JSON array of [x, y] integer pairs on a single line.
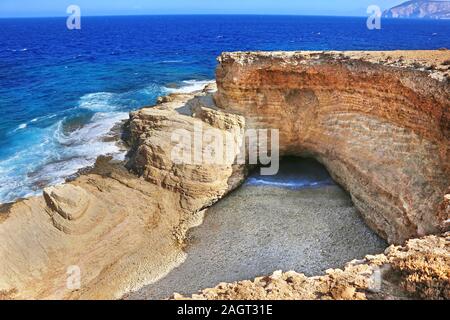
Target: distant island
[[420, 9]]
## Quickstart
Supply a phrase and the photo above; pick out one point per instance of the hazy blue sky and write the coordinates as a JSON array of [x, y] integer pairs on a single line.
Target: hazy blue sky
[[24, 8]]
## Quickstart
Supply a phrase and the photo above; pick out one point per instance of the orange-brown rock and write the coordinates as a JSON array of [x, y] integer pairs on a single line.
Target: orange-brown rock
[[380, 126]]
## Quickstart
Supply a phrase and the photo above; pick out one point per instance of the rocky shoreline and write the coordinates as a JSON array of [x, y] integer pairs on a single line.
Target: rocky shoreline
[[379, 122]]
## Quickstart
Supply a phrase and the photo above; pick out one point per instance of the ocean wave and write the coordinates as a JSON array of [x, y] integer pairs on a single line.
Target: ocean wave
[[17, 50], [190, 86], [48, 155], [119, 101], [96, 130], [98, 101], [58, 155], [33, 121], [22, 126], [172, 61], [299, 184], [56, 146]]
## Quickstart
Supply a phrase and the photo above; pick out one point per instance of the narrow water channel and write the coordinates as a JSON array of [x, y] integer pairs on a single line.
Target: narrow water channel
[[297, 220]]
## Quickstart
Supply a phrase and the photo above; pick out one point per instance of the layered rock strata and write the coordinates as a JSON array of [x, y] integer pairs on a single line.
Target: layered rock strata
[[383, 132], [153, 135], [378, 121], [94, 238]]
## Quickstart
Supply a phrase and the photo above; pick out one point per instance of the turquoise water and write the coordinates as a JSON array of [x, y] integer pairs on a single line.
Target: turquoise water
[[62, 91]]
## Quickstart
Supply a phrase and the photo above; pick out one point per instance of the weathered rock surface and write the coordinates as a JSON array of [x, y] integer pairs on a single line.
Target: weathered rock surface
[[423, 9], [112, 227], [383, 132], [420, 269], [151, 137], [380, 125]]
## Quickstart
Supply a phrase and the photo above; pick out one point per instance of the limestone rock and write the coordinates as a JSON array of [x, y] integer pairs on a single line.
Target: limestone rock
[[420, 9], [199, 184], [68, 200], [381, 128]]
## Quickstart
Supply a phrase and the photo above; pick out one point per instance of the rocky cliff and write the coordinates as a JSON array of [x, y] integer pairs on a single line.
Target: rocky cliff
[[420, 9], [383, 132], [379, 121]]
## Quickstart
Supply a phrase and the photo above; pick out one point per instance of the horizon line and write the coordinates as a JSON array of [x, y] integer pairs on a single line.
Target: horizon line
[[188, 14]]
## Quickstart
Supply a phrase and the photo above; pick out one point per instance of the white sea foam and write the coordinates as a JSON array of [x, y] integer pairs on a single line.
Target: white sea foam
[[49, 154], [52, 153], [99, 101], [47, 117], [16, 50], [58, 156], [172, 61], [190, 86], [287, 184]]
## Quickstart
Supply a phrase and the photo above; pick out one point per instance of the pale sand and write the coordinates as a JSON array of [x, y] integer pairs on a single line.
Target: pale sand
[[257, 230]]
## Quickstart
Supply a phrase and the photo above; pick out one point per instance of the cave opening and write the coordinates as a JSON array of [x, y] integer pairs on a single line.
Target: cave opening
[[299, 220]]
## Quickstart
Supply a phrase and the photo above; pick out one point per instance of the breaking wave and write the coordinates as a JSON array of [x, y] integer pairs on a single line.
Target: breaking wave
[[189, 86], [73, 140]]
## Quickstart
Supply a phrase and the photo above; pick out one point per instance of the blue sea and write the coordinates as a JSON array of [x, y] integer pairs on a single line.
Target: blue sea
[[61, 91]]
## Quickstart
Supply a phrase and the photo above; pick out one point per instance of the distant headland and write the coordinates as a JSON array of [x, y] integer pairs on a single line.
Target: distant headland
[[420, 9]]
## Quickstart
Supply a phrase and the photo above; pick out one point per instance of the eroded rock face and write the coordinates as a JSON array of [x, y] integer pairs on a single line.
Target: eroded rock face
[[155, 132], [69, 201], [425, 9], [383, 132], [109, 228]]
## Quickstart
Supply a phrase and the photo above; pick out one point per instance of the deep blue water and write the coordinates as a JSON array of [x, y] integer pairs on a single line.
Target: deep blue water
[[62, 90]]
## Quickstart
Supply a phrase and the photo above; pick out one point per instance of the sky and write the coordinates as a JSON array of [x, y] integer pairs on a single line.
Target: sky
[[51, 8]]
